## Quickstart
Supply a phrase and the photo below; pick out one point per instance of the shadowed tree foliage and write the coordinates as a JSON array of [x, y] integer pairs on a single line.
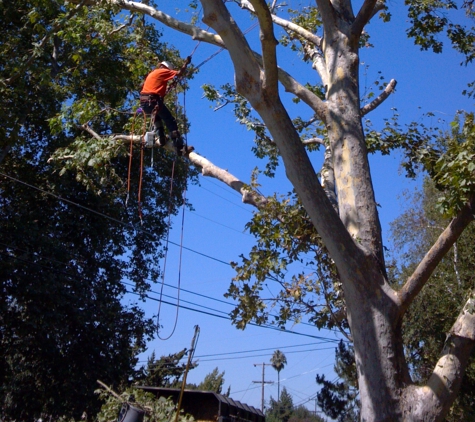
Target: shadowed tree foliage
[[70, 249]]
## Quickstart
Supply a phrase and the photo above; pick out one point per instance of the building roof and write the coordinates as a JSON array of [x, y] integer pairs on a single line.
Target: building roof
[[210, 406]]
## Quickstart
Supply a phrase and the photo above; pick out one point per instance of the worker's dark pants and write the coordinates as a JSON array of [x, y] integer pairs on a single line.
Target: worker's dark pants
[[163, 113], [148, 104]]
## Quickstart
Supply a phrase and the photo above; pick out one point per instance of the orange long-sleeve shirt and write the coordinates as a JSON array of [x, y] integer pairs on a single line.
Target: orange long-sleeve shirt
[[156, 81]]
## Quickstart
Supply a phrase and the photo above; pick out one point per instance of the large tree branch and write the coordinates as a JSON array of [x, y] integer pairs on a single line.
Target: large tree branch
[[435, 398], [381, 97], [206, 167], [268, 42], [299, 169], [362, 18], [430, 261]]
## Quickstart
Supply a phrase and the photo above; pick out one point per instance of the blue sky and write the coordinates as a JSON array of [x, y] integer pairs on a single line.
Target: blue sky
[[426, 82]]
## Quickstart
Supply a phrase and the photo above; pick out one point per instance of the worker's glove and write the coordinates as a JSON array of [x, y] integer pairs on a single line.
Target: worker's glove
[[188, 60]]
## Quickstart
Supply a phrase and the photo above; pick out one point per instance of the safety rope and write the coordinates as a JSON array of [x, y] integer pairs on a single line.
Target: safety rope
[[165, 265], [144, 128], [168, 235]]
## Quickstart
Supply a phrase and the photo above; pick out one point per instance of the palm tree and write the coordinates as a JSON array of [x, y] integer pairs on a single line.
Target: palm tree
[[278, 361]]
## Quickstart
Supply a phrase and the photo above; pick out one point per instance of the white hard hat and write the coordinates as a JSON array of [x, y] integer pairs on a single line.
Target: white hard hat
[[167, 65]]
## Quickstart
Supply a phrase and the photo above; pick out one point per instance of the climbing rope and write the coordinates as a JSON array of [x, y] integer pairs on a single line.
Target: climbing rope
[[167, 239], [144, 128]]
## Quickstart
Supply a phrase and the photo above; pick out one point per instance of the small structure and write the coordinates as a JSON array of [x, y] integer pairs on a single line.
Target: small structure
[[208, 406]]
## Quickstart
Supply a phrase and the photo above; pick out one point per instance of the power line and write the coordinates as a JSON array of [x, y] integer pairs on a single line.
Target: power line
[[270, 327], [266, 355], [168, 303], [131, 226], [221, 224], [144, 231], [259, 350], [225, 199]]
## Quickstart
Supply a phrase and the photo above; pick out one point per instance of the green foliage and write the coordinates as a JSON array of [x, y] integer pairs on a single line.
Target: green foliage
[[164, 372], [431, 18], [283, 410], [64, 319], [339, 400], [454, 171], [448, 158], [280, 410], [286, 239], [302, 414], [278, 360], [309, 19], [156, 409]]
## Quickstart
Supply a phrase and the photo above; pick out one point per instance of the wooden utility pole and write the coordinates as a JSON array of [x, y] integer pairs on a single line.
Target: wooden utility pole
[[263, 382]]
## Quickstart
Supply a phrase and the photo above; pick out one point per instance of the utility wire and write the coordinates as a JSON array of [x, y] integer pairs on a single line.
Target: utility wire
[[123, 282], [265, 355], [270, 327], [140, 230], [324, 339], [131, 226]]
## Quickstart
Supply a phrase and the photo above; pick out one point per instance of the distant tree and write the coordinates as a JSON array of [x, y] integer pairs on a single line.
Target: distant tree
[[339, 400], [213, 381], [302, 414], [164, 372], [280, 410], [278, 361], [283, 410]]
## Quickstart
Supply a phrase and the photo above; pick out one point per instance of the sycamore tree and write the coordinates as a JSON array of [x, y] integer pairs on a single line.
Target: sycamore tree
[[331, 221]]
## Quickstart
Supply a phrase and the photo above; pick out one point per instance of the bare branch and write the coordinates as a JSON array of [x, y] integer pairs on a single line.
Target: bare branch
[[121, 27], [318, 62], [195, 32], [381, 97], [307, 96], [89, 130], [362, 18], [430, 261], [307, 35], [268, 42], [313, 141]]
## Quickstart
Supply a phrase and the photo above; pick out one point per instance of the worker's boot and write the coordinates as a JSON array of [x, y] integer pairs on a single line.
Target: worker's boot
[[178, 143], [160, 132]]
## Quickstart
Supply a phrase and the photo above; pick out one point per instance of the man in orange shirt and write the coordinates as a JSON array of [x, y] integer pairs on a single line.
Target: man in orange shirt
[[151, 100]]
